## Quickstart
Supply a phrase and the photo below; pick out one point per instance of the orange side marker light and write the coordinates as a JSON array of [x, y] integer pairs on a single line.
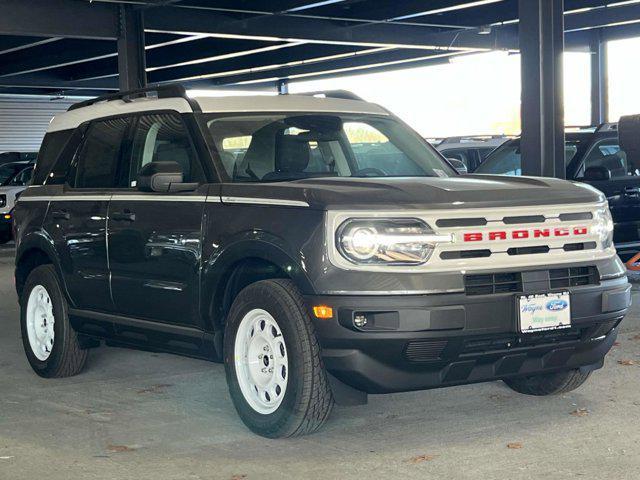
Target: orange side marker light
[[323, 312], [632, 262]]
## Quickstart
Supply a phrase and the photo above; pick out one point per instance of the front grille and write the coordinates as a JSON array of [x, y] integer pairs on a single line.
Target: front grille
[[572, 247], [572, 277], [456, 254], [490, 283], [528, 250], [497, 344], [515, 236], [515, 282], [424, 350]]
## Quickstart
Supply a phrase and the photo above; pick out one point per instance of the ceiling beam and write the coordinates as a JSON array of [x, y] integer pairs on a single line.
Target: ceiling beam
[[15, 44], [277, 28], [75, 52], [59, 18], [55, 55], [349, 68], [272, 63], [602, 17], [45, 80]]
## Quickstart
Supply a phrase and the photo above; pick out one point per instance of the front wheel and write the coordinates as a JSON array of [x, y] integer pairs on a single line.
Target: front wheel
[[272, 359], [548, 383]]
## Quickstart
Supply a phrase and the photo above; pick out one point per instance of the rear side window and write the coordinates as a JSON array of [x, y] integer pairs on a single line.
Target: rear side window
[[97, 160], [52, 147]]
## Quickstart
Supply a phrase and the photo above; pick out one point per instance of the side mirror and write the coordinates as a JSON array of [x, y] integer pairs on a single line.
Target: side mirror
[[598, 173], [163, 177], [459, 165]]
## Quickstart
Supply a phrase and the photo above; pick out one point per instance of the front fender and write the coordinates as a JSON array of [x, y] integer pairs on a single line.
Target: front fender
[[260, 245]]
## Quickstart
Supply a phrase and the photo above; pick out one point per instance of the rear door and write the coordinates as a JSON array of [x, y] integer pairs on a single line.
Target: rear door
[[622, 190], [155, 239], [77, 217]]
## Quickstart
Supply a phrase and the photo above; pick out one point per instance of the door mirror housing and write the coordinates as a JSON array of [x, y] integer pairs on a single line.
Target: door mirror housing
[[164, 177], [459, 165], [597, 173]]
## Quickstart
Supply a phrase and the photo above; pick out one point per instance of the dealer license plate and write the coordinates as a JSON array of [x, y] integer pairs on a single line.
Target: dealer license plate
[[547, 311]]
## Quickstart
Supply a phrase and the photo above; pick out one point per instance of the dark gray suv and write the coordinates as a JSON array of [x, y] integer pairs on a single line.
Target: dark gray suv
[[315, 244]]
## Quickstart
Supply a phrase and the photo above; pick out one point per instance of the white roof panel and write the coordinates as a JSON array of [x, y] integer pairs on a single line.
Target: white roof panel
[[238, 104], [286, 103]]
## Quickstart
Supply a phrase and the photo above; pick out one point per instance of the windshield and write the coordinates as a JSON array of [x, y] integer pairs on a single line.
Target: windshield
[[280, 147], [8, 171], [506, 160]]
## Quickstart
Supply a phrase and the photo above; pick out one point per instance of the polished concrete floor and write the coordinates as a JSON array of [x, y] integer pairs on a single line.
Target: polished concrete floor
[[138, 415]]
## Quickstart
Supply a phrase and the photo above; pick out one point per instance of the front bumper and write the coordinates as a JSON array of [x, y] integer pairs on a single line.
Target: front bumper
[[414, 342]]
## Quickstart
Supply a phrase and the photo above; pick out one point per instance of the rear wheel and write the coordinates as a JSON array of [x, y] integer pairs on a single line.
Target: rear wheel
[[272, 358], [49, 341], [549, 383]]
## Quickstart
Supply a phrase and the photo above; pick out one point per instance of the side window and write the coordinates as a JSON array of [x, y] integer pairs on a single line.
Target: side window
[[97, 160], [163, 138], [607, 154], [52, 146]]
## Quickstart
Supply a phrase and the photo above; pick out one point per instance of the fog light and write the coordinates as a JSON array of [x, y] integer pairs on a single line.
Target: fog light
[[360, 320], [7, 217]]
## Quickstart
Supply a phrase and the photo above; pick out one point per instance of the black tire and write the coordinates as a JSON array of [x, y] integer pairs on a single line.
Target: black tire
[[308, 399], [66, 358], [549, 383]]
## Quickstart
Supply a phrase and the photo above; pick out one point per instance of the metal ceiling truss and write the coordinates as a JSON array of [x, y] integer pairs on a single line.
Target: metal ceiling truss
[[279, 39]]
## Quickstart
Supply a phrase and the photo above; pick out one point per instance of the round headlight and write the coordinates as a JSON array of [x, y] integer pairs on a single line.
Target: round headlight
[[361, 242], [396, 241]]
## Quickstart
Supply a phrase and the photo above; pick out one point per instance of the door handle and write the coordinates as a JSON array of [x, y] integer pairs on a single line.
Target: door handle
[[61, 214], [125, 216]]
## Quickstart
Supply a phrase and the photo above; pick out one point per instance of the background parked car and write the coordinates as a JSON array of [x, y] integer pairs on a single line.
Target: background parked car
[[472, 150], [593, 155], [14, 178]]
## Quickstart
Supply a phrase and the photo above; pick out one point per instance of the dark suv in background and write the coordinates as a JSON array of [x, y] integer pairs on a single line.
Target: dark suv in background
[[593, 155]]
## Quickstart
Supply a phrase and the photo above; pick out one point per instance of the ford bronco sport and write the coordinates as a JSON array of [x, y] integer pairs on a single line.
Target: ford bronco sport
[[257, 231]]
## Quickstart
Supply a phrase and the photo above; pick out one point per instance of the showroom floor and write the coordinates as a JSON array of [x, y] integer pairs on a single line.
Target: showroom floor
[[155, 416]]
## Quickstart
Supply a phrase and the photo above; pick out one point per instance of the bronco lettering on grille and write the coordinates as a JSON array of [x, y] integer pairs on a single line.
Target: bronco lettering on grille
[[524, 233]]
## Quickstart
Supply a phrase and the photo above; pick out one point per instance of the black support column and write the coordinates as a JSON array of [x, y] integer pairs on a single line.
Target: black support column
[[131, 53], [599, 80], [541, 46]]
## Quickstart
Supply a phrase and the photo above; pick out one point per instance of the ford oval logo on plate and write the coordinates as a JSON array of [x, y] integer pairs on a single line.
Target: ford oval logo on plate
[[556, 305]]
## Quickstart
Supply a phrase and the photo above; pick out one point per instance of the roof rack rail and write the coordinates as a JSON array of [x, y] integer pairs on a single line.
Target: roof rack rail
[[169, 90], [343, 94]]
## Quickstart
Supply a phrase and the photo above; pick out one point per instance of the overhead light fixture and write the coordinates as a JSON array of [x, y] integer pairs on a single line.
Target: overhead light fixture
[[485, 30]]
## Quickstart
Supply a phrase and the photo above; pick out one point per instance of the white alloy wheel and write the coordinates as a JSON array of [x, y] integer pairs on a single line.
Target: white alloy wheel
[[262, 366], [40, 322]]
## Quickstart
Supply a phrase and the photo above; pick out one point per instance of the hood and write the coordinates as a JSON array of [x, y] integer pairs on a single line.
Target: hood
[[472, 191]]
